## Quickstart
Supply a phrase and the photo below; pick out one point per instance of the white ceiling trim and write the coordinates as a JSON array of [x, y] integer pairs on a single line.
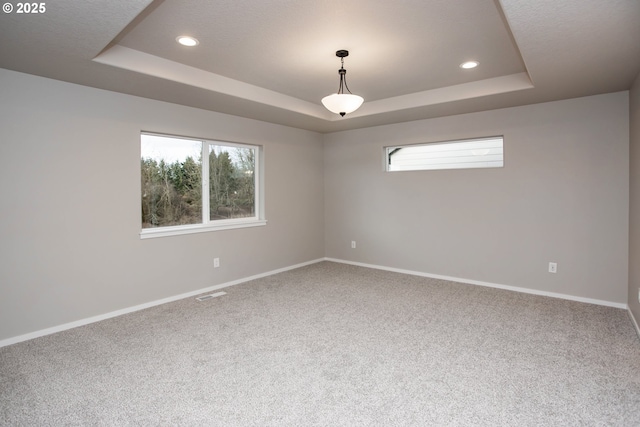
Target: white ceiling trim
[[144, 63], [493, 86]]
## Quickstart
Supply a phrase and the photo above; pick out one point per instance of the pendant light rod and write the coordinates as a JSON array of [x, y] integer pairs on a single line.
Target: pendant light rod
[[341, 102], [342, 72]]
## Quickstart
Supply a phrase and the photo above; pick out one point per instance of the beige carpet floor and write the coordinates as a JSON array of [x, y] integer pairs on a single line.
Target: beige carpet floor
[[335, 345]]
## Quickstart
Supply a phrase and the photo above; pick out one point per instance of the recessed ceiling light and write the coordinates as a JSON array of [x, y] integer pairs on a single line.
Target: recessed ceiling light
[[187, 41], [469, 64]]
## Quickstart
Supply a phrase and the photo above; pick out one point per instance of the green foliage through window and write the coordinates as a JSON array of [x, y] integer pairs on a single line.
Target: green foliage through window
[[174, 175]]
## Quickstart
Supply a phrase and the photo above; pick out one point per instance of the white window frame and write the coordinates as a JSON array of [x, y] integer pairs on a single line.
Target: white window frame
[[207, 224], [441, 147]]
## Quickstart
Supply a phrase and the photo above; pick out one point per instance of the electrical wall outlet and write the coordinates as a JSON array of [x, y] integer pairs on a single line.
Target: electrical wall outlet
[[216, 262], [553, 267], [353, 244]]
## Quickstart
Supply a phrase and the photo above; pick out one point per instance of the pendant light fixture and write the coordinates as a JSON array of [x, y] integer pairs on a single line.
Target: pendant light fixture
[[342, 103]]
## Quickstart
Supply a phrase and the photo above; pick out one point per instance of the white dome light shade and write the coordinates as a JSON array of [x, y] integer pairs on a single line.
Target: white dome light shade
[[342, 103]]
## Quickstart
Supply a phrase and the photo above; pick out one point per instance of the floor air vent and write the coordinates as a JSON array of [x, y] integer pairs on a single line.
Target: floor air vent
[[209, 296]]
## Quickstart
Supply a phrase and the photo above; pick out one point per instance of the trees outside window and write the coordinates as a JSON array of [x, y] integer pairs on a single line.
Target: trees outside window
[[187, 182]]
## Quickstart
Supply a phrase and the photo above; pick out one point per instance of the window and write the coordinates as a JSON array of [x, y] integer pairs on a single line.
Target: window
[[190, 185], [462, 154]]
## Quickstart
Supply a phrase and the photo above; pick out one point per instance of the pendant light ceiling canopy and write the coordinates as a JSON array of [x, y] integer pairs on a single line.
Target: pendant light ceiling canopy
[[340, 102]]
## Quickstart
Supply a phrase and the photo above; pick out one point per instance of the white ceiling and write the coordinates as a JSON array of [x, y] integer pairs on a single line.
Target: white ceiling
[[274, 60]]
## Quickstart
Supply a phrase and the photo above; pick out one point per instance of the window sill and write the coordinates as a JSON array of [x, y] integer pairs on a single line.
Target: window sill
[[150, 233]]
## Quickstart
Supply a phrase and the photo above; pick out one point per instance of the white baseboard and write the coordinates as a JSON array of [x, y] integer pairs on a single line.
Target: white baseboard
[[487, 284], [635, 322], [82, 322], [89, 320]]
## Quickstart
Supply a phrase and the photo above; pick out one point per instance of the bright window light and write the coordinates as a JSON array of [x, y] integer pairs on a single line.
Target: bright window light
[[461, 154]]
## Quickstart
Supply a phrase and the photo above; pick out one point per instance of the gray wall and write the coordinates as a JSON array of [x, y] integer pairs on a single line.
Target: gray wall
[[70, 215], [70, 209], [562, 196], [634, 193]]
